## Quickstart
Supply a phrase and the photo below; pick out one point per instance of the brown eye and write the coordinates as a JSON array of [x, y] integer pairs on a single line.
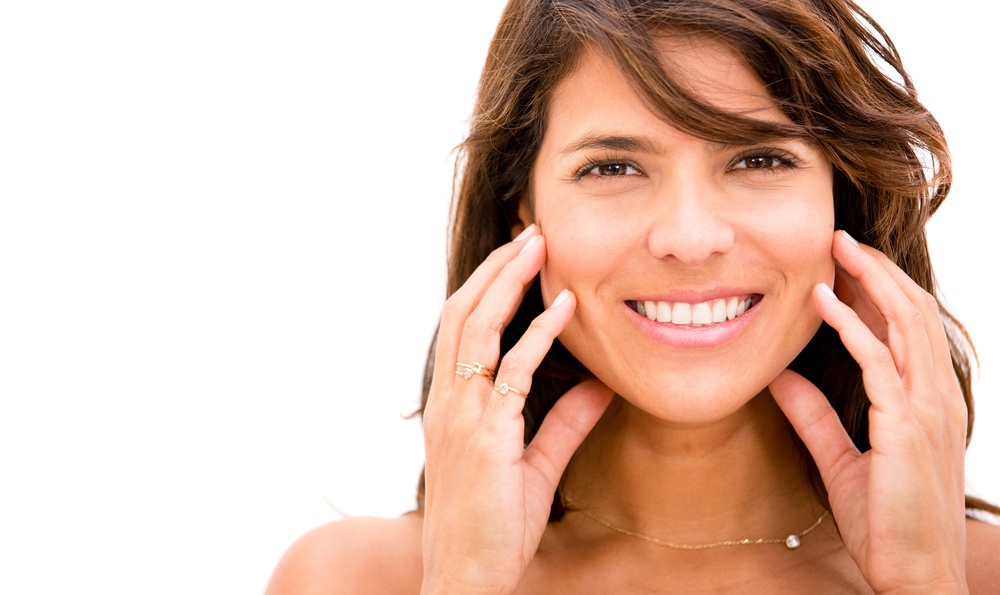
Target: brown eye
[[764, 161], [760, 162], [613, 169]]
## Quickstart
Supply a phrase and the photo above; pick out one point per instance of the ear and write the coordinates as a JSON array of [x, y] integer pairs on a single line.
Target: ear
[[524, 216]]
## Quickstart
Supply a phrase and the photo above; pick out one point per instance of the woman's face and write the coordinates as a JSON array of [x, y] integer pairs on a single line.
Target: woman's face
[[665, 238]]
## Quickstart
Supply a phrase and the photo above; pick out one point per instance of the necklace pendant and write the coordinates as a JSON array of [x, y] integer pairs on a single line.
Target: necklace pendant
[[793, 542]]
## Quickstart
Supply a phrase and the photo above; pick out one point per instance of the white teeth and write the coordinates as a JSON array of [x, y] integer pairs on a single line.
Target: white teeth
[[731, 305], [700, 314], [662, 312], [682, 313], [718, 310]]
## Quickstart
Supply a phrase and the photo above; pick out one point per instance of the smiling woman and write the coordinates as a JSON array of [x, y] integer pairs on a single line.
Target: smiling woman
[[683, 227], [691, 340]]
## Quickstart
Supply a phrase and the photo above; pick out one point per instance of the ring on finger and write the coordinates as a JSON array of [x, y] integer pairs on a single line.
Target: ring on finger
[[505, 388], [466, 371]]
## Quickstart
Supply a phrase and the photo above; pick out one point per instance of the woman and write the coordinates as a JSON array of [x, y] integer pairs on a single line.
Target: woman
[[632, 388]]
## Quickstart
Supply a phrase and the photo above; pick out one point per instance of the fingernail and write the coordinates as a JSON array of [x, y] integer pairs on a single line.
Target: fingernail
[[562, 297], [529, 243], [527, 232], [829, 292], [847, 236]]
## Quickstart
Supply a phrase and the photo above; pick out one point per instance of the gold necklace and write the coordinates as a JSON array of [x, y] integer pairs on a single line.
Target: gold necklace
[[792, 542]]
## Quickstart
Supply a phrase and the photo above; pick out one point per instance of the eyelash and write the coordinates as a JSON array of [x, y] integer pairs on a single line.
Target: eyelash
[[784, 159], [609, 160]]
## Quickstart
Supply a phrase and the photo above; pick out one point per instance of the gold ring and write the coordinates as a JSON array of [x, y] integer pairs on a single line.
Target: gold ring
[[504, 388], [466, 371]]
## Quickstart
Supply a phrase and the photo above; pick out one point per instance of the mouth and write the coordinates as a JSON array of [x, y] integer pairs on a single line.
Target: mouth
[[707, 313]]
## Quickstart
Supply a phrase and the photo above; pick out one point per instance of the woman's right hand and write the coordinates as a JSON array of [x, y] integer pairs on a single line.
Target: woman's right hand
[[487, 497]]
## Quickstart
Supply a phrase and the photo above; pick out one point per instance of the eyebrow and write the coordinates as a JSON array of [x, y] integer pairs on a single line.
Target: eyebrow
[[639, 144], [632, 144]]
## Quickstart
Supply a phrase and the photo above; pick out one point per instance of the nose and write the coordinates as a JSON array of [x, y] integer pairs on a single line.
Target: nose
[[691, 222]]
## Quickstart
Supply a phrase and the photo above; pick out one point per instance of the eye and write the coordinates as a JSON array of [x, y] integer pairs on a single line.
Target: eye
[[758, 162], [607, 169], [764, 160], [613, 169]]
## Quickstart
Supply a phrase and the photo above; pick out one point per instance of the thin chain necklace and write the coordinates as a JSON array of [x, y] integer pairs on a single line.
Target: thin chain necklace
[[792, 542]]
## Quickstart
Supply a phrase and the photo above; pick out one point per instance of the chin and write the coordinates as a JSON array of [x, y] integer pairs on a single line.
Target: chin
[[693, 386], [694, 403]]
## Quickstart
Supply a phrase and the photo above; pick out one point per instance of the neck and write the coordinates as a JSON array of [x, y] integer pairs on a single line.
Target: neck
[[738, 477]]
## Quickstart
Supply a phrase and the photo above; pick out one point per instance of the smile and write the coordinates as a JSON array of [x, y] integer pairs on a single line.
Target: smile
[[700, 314]]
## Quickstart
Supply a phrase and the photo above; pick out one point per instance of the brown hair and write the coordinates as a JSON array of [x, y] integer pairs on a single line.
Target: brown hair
[[830, 68]]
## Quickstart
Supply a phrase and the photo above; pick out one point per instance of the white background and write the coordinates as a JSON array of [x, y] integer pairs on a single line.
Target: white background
[[222, 257]]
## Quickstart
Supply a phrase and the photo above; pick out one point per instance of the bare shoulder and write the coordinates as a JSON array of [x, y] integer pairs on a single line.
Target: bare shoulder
[[982, 556], [356, 555]]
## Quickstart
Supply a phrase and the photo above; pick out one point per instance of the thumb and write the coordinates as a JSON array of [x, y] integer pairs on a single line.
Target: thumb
[[815, 421], [565, 427]]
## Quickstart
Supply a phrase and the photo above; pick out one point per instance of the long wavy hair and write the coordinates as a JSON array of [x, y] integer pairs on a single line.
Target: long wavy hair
[[829, 67]]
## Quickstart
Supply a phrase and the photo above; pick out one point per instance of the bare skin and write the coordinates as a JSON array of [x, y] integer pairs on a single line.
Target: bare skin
[[688, 440], [369, 555]]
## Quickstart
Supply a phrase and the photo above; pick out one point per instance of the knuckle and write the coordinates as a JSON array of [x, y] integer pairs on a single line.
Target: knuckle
[[497, 256], [514, 273], [497, 260], [471, 318], [513, 361], [907, 316], [882, 357], [432, 432], [453, 307], [916, 317], [816, 417], [956, 408], [928, 303], [539, 324], [476, 325], [473, 325], [506, 274]]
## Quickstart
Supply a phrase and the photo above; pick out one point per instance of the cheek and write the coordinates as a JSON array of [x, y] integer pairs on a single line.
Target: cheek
[[581, 247], [801, 236]]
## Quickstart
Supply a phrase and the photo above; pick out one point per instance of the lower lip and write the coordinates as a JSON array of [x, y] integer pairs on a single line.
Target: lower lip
[[694, 337]]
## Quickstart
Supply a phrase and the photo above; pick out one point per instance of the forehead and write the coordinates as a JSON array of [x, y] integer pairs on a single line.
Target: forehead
[[707, 69]]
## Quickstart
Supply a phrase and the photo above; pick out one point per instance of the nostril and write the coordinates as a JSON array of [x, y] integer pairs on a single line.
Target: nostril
[[691, 240]]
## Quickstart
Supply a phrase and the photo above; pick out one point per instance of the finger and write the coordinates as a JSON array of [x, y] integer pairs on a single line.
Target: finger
[[897, 410], [878, 368], [562, 431], [513, 381], [937, 387], [942, 400], [929, 307], [849, 291], [460, 305], [480, 337], [908, 338], [816, 423]]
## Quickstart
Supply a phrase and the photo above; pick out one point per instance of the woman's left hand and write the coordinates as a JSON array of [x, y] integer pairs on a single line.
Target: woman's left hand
[[900, 506]]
